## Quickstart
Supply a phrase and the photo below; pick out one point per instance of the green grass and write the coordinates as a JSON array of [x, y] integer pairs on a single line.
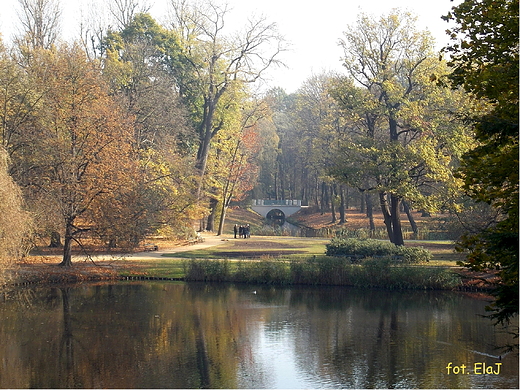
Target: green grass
[[158, 268], [264, 247], [275, 269]]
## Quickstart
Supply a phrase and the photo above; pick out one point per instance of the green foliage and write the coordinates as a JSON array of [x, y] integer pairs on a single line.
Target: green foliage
[[399, 140], [484, 58], [361, 249]]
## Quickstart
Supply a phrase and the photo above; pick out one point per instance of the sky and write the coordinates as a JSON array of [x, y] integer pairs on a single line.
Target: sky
[[311, 28]]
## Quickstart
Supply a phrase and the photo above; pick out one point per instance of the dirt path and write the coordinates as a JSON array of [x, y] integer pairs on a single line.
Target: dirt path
[[210, 240]]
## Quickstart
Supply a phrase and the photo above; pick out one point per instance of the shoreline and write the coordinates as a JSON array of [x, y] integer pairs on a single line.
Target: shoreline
[[83, 272]]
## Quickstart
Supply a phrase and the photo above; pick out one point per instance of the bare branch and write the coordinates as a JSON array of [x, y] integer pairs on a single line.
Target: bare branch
[[40, 20]]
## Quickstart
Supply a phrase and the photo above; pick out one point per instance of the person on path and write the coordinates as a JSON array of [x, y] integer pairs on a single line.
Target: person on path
[[235, 230]]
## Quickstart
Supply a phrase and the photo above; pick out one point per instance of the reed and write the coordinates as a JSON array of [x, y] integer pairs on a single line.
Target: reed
[[324, 270]]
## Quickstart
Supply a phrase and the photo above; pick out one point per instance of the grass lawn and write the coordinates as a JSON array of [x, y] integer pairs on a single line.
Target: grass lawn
[[294, 247], [172, 265], [258, 248], [169, 268], [443, 252]]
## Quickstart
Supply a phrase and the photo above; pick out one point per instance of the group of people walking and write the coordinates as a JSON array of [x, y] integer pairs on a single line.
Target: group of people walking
[[243, 231]]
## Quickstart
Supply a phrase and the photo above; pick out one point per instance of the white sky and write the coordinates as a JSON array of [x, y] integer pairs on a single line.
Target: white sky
[[313, 28]]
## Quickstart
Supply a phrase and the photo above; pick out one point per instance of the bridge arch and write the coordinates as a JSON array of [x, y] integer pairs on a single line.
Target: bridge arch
[[276, 208], [276, 217]]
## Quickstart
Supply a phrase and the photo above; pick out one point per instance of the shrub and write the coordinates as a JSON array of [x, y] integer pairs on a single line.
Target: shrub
[[15, 222], [361, 249], [413, 255]]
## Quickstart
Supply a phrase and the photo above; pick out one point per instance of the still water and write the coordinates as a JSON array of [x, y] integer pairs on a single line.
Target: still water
[[178, 335]]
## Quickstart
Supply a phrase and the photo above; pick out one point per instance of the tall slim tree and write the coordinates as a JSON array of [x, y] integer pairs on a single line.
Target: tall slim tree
[[235, 163]]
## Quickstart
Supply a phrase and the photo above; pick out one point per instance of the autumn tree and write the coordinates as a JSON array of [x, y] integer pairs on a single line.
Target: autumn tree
[[19, 100], [81, 153], [15, 221], [137, 66], [484, 57]]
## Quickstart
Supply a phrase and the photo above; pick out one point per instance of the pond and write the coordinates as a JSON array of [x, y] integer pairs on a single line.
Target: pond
[[180, 335]]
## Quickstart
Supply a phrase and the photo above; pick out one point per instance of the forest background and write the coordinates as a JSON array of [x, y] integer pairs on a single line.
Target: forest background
[[141, 128]]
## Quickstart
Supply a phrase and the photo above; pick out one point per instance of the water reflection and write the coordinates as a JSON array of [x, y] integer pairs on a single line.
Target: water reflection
[[176, 335]]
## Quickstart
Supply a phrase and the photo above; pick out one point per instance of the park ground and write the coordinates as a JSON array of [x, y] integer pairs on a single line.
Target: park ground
[[167, 262]]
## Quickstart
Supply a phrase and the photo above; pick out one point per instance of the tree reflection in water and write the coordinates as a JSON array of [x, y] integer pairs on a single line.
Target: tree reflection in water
[[176, 335]]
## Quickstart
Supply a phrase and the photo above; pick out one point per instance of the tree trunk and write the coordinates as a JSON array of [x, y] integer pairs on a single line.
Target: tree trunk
[[408, 212], [281, 178], [276, 185], [342, 218], [386, 215], [202, 160], [55, 240], [210, 225], [222, 218], [370, 213], [396, 220], [67, 246], [316, 193], [332, 205], [324, 197]]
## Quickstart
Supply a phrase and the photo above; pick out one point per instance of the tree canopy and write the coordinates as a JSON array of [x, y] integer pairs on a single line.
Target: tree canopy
[[484, 58], [395, 143]]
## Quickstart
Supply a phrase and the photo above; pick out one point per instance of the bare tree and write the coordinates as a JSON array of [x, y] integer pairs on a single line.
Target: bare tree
[[217, 61], [40, 21], [93, 27], [124, 11]]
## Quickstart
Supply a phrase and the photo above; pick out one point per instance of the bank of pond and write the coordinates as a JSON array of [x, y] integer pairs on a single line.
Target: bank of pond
[[312, 271], [324, 270], [346, 262]]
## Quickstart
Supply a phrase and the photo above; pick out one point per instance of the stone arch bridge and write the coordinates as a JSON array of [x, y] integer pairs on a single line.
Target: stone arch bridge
[[276, 210]]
